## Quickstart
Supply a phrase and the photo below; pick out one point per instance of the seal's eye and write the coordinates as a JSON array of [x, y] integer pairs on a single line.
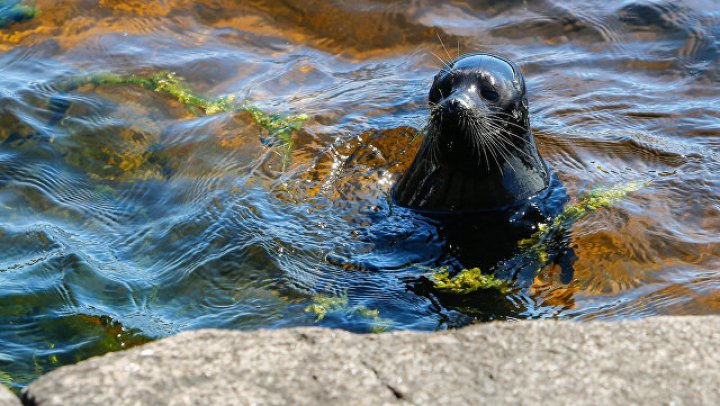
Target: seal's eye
[[490, 94]]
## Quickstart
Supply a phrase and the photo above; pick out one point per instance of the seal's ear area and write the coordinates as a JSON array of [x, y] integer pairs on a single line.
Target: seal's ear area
[[435, 92], [442, 86]]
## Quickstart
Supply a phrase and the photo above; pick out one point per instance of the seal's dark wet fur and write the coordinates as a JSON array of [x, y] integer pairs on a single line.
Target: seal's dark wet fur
[[478, 174], [478, 152]]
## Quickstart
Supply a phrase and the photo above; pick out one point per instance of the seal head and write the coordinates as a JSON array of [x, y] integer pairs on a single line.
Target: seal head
[[478, 152]]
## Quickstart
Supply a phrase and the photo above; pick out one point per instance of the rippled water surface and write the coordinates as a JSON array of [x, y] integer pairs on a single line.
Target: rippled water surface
[[126, 216]]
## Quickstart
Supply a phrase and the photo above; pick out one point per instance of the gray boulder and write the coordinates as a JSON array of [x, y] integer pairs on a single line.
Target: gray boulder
[[662, 360], [7, 398]]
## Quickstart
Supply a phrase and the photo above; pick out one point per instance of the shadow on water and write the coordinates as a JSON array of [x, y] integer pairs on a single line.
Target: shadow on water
[[126, 216]]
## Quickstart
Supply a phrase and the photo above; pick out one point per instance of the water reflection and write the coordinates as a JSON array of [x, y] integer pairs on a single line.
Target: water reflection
[[124, 216]]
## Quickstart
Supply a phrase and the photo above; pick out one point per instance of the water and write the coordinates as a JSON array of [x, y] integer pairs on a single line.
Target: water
[[124, 217]]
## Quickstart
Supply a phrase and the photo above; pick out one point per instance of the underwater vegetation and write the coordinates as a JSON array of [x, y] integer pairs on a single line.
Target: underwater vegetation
[[278, 129], [600, 198], [537, 245], [323, 305], [107, 335], [468, 281]]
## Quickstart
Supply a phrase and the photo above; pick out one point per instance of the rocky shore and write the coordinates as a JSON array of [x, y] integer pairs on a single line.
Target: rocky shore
[[662, 360], [7, 398]]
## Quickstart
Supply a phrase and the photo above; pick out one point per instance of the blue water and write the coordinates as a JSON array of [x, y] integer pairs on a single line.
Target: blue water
[[125, 217]]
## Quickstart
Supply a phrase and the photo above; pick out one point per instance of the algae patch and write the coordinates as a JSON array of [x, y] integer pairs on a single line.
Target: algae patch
[[323, 305], [277, 128], [5, 378], [168, 83], [472, 280], [468, 281], [600, 198]]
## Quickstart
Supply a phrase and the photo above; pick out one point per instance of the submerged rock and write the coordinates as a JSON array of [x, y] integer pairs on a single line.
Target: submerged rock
[[661, 360]]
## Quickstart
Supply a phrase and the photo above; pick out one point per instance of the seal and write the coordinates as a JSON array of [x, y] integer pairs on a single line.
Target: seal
[[478, 151], [477, 175]]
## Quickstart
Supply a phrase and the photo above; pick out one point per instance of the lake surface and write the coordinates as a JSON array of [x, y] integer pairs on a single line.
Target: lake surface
[[126, 216]]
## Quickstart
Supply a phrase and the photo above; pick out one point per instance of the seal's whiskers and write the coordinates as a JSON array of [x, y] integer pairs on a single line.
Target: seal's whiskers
[[478, 150]]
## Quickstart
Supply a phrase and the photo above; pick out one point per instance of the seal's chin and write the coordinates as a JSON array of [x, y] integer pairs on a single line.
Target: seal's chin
[[473, 140], [468, 163]]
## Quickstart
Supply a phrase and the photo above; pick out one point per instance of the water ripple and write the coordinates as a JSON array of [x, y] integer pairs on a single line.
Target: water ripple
[[125, 216]]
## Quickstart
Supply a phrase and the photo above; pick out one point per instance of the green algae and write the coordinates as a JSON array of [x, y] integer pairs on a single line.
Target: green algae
[[468, 281], [279, 128], [472, 280], [14, 11], [5, 378], [99, 335], [170, 84], [365, 312], [323, 305], [377, 329], [276, 127], [600, 198]]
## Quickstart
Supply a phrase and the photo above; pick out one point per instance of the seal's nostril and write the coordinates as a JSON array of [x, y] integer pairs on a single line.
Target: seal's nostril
[[455, 104]]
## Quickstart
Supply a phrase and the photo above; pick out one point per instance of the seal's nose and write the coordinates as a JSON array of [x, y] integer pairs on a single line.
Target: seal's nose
[[455, 104]]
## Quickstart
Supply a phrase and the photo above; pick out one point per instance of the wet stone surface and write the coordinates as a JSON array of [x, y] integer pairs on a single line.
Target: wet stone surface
[[7, 398], [151, 181], [661, 360]]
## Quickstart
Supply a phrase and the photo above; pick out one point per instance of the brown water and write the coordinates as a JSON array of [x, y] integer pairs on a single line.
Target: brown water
[[125, 216]]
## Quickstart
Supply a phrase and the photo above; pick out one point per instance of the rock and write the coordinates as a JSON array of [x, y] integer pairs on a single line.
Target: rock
[[7, 398], [661, 360]]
